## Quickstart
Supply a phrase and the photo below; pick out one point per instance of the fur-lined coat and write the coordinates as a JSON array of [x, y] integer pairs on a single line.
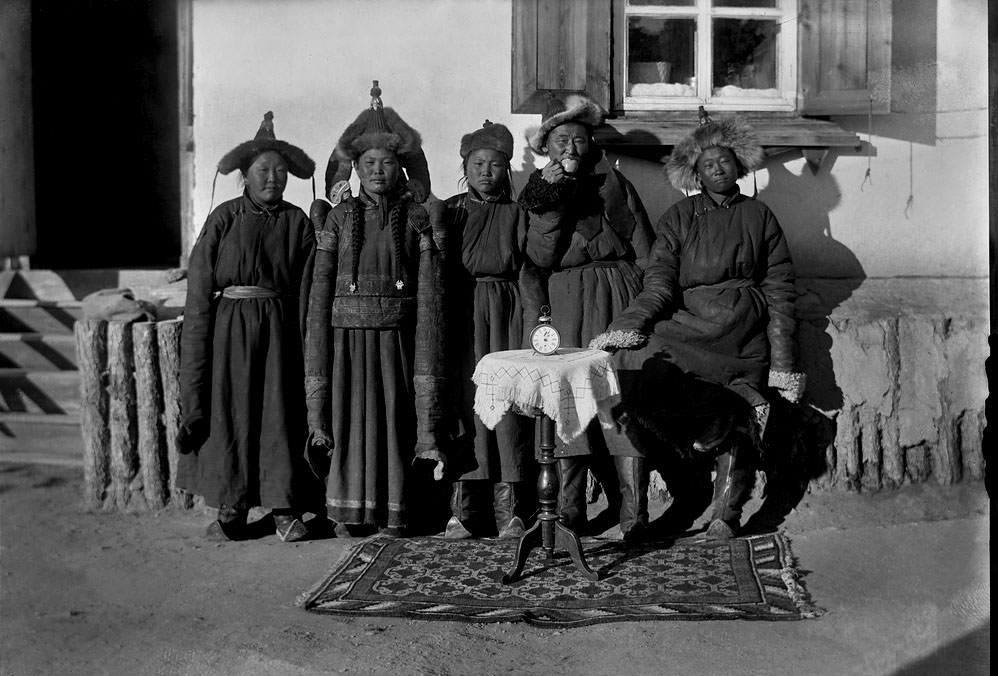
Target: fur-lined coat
[[718, 297]]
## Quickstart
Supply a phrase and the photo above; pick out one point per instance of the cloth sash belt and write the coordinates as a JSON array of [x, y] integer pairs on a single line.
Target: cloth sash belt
[[243, 292], [511, 277], [595, 264], [739, 283]]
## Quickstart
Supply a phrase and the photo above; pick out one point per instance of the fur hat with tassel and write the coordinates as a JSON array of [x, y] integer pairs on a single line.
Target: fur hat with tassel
[[733, 133], [491, 136], [575, 108], [378, 127], [242, 156]]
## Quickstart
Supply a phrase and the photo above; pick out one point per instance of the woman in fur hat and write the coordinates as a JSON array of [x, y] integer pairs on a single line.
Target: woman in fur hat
[[373, 364], [590, 234], [489, 308], [243, 413], [718, 307]]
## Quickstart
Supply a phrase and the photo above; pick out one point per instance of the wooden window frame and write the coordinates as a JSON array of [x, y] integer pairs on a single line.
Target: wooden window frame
[[704, 12], [567, 46]]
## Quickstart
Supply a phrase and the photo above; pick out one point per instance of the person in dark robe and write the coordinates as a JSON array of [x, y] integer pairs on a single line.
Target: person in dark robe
[[717, 310], [374, 369], [242, 400], [493, 299], [589, 233]]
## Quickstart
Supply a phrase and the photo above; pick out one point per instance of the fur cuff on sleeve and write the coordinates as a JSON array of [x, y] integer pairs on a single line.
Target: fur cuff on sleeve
[[790, 384], [539, 195], [617, 340]]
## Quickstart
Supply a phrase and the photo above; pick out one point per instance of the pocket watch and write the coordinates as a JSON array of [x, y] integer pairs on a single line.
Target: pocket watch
[[544, 338]]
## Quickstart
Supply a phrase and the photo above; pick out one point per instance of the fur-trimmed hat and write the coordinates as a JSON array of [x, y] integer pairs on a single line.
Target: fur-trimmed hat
[[242, 156], [575, 108], [491, 136], [380, 127], [733, 133]]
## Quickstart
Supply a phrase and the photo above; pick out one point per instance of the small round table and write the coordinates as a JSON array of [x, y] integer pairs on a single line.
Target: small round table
[[564, 391]]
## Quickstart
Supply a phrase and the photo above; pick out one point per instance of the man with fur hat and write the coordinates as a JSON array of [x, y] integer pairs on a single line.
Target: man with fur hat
[[718, 311], [493, 299], [590, 235], [242, 414], [373, 348]]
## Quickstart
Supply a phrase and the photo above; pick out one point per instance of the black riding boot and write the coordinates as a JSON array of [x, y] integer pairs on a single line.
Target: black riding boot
[[688, 482], [604, 471], [632, 475], [468, 519], [572, 477], [512, 507], [732, 487]]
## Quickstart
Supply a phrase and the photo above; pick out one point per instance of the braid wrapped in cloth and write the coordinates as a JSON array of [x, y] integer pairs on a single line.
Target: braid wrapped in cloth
[[317, 362], [429, 369]]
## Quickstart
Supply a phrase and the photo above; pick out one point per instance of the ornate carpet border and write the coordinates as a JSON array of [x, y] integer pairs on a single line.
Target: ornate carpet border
[[771, 558]]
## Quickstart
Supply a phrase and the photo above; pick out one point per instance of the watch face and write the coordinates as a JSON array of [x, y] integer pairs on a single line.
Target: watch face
[[545, 339]]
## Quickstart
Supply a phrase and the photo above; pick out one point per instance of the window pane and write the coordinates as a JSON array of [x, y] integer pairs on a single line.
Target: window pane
[[745, 3], [668, 3], [661, 56], [745, 57]]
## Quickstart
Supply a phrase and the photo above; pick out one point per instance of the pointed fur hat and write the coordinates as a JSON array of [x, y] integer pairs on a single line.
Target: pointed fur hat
[[242, 156], [380, 127], [575, 108], [733, 133]]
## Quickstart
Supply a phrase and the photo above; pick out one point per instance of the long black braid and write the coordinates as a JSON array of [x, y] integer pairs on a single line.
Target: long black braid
[[396, 220], [356, 241]]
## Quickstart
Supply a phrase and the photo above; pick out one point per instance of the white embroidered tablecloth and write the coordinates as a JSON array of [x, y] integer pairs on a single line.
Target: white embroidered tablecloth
[[571, 387]]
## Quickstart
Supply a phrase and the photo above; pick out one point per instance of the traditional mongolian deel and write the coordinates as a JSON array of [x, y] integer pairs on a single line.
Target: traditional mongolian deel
[[432, 578], [571, 387]]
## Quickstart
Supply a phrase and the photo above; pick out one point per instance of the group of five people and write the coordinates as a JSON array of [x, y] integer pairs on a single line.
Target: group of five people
[[340, 345]]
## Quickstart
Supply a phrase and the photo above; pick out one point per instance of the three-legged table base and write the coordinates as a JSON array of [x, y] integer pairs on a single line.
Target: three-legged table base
[[548, 532]]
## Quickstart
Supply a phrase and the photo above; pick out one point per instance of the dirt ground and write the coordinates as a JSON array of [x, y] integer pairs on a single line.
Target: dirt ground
[[904, 577]]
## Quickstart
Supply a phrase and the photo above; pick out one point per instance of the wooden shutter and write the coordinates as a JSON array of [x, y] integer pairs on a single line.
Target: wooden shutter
[[845, 56], [560, 47]]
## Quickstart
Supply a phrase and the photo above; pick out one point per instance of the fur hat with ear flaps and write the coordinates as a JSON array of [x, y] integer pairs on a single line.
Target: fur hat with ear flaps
[[491, 136], [575, 108], [380, 127], [242, 156], [733, 133]]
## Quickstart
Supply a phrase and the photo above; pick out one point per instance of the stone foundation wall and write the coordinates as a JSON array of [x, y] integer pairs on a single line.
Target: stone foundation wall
[[897, 368]]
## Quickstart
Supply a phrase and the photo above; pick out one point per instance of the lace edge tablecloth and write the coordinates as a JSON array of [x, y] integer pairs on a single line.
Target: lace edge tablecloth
[[571, 387]]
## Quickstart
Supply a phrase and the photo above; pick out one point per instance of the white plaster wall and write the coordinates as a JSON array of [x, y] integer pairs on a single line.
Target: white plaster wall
[[445, 66]]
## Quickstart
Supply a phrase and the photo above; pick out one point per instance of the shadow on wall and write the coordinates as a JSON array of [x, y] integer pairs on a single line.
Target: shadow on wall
[[828, 271], [520, 177]]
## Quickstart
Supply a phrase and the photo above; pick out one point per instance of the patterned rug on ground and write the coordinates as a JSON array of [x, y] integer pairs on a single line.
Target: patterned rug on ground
[[752, 578]]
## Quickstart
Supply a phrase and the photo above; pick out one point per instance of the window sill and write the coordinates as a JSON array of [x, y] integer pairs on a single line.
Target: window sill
[[774, 130]]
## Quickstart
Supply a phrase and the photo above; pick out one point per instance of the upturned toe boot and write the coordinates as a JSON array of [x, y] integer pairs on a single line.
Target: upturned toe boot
[[512, 508], [466, 519], [732, 487]]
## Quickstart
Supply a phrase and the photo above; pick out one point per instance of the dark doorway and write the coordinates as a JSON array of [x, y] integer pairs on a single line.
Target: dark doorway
[[106, 133]]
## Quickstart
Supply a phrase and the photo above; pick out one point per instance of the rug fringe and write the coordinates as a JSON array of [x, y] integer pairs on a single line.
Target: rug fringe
[[792, 579], [312, 592]]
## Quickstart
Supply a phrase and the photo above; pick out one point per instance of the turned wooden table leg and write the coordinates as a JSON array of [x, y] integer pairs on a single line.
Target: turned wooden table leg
[[548, 531]]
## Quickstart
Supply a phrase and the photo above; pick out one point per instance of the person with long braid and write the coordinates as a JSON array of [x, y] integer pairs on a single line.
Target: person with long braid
[[373, 362]]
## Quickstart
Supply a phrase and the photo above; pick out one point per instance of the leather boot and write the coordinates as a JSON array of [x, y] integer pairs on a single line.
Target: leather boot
[[230, 524], [511, 508], [732, 488], [688, 481], [572, 477], [466, 512], [633, 477], [603, 469]]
